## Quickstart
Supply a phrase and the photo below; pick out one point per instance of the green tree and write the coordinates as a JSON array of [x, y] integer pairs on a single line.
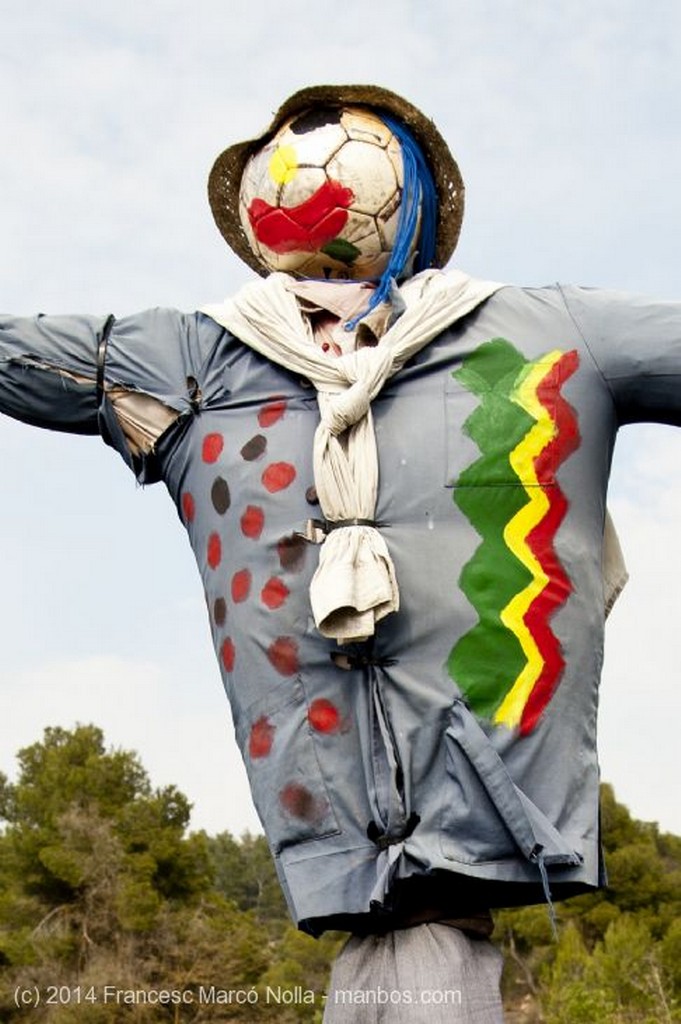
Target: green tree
[[84, 831], [620, 982], [302, 964], [244, 872], [571, 994], [101, 886]]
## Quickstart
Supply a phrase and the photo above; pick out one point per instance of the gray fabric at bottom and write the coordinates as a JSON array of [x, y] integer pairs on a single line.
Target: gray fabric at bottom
[[428, 974]]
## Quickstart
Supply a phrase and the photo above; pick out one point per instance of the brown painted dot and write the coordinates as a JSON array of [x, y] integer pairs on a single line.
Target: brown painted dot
[[241, 585], [219, 495], [219, 611], [283, 655], [255, 448], [212, 447], [324, 716], [274, 593], [188, 507], [228, 654], [291, 551], [214, 550], [278, 476], [311, 496], [252, 522], [298, 801], [270, 413], [261, 738]]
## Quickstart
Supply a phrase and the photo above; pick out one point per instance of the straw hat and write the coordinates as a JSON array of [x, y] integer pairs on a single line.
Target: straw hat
[[225, 177]]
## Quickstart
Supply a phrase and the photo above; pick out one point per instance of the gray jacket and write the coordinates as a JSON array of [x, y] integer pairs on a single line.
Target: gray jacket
[[454, 757]]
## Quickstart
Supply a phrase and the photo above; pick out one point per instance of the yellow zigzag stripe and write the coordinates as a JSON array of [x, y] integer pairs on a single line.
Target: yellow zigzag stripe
[[522, 460]]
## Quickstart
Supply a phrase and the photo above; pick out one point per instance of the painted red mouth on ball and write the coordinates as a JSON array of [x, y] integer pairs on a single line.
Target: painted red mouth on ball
[[305, 227]]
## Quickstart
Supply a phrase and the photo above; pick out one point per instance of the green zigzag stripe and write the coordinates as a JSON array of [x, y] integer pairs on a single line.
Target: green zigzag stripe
[[486, 657]]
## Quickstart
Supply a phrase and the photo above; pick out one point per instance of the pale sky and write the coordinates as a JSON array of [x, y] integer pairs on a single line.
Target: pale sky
[[564, 119]]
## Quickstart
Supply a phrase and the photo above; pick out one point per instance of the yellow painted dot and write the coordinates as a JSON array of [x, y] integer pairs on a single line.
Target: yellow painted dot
[[283, 165]]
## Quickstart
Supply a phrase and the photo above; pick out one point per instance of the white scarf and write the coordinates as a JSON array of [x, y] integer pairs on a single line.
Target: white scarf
[[355, 585]]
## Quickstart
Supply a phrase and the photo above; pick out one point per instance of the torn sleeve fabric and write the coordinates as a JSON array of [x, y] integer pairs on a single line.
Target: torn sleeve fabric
[[48, 370], [128, 379]]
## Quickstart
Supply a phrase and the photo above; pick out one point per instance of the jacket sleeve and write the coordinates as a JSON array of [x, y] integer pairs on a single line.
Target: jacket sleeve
[[128, 379], [48, 370], [636, 345]]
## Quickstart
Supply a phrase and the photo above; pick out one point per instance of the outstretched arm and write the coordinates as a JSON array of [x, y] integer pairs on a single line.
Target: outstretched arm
[[127, 379], [636, 344], [50, 370]]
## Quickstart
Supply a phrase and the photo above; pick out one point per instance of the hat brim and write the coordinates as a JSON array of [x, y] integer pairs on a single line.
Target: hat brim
[[224, 182]]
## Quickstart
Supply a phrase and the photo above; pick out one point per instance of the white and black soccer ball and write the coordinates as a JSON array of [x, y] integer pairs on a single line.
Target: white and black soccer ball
[[321, 199]]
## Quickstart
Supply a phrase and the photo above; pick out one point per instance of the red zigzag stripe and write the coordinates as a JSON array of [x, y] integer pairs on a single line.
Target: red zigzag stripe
[[540, 539]]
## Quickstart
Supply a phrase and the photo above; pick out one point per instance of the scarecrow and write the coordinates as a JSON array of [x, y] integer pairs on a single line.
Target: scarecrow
[[393, 479]]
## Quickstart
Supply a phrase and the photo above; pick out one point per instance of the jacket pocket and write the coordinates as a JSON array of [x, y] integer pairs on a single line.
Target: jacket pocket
[[286, 780], [488, 817]]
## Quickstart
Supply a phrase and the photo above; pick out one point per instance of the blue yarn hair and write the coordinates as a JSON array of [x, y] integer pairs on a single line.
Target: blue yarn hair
[[418, 189]]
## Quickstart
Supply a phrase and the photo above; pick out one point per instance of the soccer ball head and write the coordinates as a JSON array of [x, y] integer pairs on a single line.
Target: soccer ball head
[[321, 199]]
